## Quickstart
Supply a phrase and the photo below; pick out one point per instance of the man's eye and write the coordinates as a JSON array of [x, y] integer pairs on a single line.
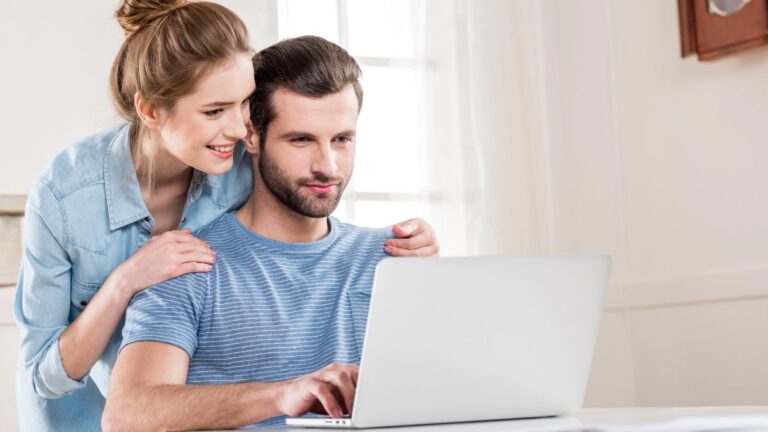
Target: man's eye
[[214, 113], [343, 139], [300, 140]]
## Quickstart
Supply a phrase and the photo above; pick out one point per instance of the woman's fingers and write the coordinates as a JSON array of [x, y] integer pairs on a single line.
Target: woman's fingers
[[415, 238], [198, 256], [191, 267], [420, 245]]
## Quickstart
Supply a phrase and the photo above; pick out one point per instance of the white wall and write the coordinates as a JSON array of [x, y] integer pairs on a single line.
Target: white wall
[[660, 161], [692, 141], [56, 59]]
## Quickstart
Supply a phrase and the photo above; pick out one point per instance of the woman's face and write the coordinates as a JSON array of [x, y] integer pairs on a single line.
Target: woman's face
[[204, 126]]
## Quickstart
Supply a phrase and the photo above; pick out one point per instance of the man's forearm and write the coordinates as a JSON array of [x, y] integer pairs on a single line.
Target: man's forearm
[[185, 407]]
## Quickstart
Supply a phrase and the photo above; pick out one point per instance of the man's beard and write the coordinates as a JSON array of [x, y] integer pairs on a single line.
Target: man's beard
[[293, 194]]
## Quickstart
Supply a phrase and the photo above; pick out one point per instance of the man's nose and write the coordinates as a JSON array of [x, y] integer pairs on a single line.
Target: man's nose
[[325, 160]]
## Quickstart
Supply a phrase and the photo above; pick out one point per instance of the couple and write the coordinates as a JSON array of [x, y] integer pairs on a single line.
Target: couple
[[261, 313], [288, 296]]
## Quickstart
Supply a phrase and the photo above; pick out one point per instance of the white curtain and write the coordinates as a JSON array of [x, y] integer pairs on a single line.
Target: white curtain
[[473, 122], [482, 130]]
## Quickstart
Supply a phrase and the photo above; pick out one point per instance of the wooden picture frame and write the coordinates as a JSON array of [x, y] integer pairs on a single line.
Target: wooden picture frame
[[711, 35]]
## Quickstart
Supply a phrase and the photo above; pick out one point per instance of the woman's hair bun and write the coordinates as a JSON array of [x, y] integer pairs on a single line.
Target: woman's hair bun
[[135, 14]]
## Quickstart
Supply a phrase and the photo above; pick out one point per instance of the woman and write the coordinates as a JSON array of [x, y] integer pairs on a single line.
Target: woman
[[102, 221]]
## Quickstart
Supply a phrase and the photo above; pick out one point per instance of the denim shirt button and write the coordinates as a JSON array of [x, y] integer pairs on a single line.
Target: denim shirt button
[[83, 303]]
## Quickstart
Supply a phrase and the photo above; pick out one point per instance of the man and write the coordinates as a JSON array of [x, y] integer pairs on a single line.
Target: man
[[276, 328]]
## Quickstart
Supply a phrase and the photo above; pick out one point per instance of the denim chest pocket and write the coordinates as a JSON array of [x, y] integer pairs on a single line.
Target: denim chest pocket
[[87, 220], [89, 271]]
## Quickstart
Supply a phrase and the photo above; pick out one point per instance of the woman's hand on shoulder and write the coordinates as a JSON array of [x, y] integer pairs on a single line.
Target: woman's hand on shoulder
[[164, 257], [415, 237]]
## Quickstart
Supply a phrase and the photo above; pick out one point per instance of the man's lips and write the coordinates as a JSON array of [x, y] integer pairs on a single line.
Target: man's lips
[[320, 188]]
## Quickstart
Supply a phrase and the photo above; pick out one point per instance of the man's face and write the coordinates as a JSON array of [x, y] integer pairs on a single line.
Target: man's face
[[308, 154]]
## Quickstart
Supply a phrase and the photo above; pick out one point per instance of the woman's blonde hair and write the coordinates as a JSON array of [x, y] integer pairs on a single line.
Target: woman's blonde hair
[[168, 46]]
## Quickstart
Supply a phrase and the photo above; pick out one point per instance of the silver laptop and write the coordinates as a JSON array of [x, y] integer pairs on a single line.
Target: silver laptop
[[476, 338]]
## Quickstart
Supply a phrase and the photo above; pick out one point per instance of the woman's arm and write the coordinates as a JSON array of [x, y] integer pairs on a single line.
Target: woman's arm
[[164, 257], [58, 356], [43, 295]]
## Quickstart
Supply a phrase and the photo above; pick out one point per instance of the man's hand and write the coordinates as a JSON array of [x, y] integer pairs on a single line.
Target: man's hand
[[330, 390], [148, 392], [415, 237]]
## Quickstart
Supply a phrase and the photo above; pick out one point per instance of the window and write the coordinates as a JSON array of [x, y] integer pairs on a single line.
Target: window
[[389, 182]]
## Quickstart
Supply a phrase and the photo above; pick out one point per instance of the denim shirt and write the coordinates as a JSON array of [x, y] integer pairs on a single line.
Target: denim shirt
[[85, 215]]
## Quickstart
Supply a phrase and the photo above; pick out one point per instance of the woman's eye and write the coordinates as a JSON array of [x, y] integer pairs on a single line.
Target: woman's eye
[[214, 113]]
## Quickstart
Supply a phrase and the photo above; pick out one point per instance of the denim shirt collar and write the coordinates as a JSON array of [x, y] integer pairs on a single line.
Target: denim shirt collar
[[124, 202]]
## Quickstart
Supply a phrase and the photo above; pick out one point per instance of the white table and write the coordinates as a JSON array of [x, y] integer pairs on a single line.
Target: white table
[[593, 419]]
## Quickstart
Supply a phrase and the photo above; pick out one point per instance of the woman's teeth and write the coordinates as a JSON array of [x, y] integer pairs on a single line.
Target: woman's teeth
[[222, 149]]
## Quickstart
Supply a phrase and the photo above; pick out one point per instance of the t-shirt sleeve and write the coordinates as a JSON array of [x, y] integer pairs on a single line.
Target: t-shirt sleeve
[[369, 250], [167, 313]]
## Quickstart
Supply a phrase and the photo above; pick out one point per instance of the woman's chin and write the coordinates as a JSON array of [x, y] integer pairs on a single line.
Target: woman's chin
[[219, 168]]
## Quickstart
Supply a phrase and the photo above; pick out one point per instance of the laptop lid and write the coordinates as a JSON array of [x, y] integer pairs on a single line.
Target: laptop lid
[[478, 338]]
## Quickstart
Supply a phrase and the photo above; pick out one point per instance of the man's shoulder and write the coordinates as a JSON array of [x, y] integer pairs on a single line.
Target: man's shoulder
[[183, 288], [361, 239], [348, 229], [219, 229]]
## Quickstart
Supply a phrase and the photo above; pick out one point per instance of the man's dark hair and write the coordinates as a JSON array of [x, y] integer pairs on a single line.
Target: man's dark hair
[[307, 65]]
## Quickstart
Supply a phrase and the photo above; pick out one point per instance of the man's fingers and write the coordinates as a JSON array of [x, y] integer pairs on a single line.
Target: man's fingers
[[353, 369], [344, 385], [323, 393]]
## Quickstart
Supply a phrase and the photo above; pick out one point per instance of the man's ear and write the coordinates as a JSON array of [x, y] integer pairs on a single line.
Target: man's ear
[[251, 140], [148, 115]]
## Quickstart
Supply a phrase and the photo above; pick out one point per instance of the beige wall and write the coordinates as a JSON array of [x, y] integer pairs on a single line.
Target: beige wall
[[660, 161]]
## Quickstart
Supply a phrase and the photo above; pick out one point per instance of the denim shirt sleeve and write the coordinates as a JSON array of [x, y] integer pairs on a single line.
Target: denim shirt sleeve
[[42, 303]]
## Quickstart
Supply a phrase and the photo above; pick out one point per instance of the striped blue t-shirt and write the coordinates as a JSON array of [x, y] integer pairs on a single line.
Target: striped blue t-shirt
[[268, 310]]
